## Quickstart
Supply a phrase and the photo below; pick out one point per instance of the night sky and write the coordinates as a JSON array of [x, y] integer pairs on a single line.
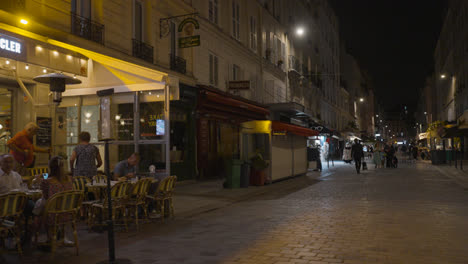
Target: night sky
[[395, 41]]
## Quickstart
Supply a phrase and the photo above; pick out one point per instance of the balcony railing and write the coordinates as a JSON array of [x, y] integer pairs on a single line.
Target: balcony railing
[[178, 64], [87, 28], [142, 50]]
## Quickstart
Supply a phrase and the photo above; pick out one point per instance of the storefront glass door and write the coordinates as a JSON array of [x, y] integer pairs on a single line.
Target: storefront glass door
[[5, 118]]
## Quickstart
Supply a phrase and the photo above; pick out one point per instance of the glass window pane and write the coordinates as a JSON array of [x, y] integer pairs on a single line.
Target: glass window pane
[[152, 154], [122, 114], [90, 120], [117, 153], [5, 119], [152, 124]]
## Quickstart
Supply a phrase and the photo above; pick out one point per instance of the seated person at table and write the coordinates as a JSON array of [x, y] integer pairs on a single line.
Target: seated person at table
[[9, 179], [58, 181], [126, 169]]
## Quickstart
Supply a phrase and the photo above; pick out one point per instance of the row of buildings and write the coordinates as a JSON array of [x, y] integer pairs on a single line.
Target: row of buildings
[[444, 98], [218, 63]]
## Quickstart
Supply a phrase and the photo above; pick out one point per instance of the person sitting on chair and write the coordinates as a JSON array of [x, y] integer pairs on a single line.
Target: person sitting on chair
[[126, 169], [9, 179]]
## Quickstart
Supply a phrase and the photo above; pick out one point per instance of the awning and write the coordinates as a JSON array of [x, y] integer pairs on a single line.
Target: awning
[[277, 126], [226, 106], [128, 73], [455, 131]]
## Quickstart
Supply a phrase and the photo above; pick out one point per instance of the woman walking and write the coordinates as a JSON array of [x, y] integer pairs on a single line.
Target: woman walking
[[377, 158]]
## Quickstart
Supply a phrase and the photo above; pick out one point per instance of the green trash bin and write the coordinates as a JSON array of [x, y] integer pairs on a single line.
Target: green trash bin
[[233, 173]]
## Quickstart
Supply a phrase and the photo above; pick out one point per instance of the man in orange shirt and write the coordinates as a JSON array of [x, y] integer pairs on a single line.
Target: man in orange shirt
[[22, 148]]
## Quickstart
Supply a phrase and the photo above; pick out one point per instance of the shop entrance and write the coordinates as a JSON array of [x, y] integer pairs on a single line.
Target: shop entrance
[[5, 117]]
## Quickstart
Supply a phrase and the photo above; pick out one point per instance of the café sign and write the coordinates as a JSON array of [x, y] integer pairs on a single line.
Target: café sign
[[239, 85], [11, 47]]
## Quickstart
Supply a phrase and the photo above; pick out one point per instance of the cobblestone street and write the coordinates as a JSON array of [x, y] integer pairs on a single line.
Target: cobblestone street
[[413, 214]]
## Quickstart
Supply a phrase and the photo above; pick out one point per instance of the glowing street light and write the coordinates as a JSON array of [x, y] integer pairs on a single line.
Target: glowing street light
[[300, 31], [361, 99], [24, 21], [442, 76]]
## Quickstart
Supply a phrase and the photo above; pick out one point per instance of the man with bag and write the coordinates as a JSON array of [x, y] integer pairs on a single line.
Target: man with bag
[[357, 153]]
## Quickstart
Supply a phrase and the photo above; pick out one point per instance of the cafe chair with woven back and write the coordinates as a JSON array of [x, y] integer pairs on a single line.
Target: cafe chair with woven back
[[163, 196], [32, 173], [79, 184], [11, 210], [62, 209], [137, 198], [119, 193]]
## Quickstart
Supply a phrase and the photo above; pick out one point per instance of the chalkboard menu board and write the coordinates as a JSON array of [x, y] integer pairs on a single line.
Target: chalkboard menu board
[[44, 133]]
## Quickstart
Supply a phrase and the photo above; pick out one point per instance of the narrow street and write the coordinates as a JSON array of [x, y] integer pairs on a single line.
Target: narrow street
[[412, 214]]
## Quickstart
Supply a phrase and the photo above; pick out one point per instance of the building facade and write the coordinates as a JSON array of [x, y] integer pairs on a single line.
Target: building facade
[[451, 66], [221, 62]]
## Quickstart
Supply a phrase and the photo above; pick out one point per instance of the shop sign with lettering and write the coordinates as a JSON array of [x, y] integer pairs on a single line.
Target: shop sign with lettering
[[12, 48], [186, 29], [239, 85]]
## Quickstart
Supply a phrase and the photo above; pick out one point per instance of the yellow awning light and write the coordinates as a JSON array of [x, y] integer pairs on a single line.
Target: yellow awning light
[[24, 21], [109, 61], [256, 127]]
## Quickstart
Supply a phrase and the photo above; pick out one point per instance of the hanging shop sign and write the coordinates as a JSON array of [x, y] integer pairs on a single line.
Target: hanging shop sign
[[188, 42], [239, 85], [11, 47], [187, 28]]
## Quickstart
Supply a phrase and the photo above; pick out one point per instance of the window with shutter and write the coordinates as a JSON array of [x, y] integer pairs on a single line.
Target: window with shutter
[[213, 11], [253, 33], [235, 20], [213, 61], [235, 72]]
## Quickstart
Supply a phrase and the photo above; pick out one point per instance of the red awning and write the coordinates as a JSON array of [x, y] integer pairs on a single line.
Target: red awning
[[277, 126], [217, 103]]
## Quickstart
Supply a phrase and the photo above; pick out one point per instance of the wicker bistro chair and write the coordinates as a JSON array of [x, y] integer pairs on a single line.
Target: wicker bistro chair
[[137, 198], [100, 178], [119, 194], [163, 195], [11, 209], [33, 172], [79, 184], [62, 209]]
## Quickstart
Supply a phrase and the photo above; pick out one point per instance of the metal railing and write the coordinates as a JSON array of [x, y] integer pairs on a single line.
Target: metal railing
[[87, 28], [142, 50], [178, 64]]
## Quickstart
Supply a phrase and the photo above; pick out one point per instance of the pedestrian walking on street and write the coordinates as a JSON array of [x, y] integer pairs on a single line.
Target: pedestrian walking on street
[[357, 153], [415, 152], [377, 158], [347, 153]]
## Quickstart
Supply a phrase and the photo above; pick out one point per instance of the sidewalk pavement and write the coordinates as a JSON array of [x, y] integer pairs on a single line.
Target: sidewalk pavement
[[192, 198], [456, 174]]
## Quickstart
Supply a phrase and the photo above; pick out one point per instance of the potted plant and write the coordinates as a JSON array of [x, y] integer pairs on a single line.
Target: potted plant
[[258, 166]]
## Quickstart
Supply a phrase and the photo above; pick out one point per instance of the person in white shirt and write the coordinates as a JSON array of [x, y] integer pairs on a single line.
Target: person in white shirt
[[9, 179]]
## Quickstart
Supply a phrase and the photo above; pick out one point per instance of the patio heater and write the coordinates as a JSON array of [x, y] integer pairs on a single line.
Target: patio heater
[[105, 135], [57, 82]]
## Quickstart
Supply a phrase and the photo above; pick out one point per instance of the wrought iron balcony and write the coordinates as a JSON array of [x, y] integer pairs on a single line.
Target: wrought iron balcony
[[87, 28], [142, 50], [178, 64]]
